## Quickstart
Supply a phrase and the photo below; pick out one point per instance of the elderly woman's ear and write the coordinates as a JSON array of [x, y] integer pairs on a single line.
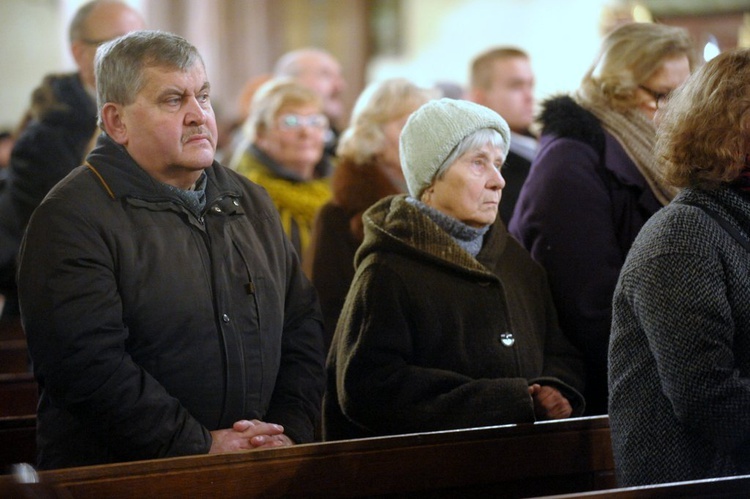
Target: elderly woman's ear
[[427, 194]]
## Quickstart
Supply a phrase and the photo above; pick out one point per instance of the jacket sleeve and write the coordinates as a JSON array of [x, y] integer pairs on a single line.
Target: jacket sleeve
[[72, 315], [382, 385], [564, 219], [43, 155], [298, 391]]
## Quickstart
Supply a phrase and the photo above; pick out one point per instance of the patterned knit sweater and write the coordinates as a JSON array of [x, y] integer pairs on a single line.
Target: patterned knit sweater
[[679, 352]]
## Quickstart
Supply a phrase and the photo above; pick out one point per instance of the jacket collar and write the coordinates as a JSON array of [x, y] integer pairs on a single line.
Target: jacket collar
[[395, 225], [563, 117], [727, 201], [62, 99], [121, 176], [357, 186]]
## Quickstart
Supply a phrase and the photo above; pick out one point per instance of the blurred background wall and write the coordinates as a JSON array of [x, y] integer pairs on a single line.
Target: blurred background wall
[[429, 41]]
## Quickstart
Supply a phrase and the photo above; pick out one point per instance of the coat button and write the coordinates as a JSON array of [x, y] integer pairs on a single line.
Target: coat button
[[507, 339], [225, 318]]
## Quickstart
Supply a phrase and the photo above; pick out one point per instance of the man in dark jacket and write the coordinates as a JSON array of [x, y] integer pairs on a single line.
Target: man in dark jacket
[[63, 111], [165, 309]]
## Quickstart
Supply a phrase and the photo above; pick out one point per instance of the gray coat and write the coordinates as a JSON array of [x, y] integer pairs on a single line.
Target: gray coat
[[680, 347]]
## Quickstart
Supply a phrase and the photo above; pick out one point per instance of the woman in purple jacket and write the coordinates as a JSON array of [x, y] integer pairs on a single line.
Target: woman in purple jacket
[[595, 182]]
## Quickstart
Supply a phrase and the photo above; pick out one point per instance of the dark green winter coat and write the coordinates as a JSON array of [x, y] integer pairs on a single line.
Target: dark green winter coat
[[431, 338]]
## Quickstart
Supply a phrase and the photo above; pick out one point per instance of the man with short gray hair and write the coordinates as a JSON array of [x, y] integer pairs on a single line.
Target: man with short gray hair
[[165, 309]]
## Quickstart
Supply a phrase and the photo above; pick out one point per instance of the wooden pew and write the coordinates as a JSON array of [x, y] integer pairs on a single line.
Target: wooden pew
[[14, 356], [17, 441], [511, 461], [19, 394], [10, 328], [727, 488]]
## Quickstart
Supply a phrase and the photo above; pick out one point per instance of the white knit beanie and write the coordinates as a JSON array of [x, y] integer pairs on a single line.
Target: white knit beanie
[[434, 130]]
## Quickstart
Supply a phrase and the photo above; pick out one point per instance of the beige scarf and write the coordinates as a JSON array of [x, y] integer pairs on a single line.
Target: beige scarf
[[637, 135]]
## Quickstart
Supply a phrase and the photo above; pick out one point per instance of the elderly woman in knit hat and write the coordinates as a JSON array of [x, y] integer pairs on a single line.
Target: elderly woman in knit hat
[[448, 322]]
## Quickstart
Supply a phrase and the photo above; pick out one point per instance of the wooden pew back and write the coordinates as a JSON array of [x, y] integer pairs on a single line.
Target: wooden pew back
[[736, 487], [513, 461], [11, 328], [17, 441], [19, 394], [14, 357]]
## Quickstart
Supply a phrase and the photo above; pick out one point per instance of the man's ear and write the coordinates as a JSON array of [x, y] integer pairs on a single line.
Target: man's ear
[[78, 49], [114, 124]]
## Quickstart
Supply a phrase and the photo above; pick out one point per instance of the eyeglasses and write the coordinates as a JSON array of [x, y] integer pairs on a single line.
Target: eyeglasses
[[296, 121], [660, 98]]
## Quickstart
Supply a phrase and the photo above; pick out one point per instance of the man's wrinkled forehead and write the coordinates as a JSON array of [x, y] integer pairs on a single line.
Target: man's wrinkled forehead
[[161, 73]]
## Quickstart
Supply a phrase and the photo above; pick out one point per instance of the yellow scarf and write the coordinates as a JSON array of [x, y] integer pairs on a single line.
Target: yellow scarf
[[297, 202]]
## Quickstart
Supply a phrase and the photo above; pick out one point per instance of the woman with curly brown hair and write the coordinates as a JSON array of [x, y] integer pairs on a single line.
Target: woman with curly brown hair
[[680, 349]]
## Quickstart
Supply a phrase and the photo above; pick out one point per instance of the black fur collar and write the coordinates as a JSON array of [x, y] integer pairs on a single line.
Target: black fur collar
[[563, 117]]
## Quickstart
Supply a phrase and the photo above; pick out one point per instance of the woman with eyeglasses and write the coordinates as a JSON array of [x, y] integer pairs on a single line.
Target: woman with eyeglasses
[[596, 181], [283, 151]]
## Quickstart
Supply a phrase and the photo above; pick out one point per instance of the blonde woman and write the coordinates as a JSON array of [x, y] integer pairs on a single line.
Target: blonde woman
[[595, 182], [283, 152], [367, 170]]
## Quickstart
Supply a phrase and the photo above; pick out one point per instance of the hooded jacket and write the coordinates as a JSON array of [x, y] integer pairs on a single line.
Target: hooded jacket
[[579, 211], [52, 145], [431, 338], [150, 325]]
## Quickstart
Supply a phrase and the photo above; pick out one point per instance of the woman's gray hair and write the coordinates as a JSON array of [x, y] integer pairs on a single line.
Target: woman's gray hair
[[120, 63], [472, 142]]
